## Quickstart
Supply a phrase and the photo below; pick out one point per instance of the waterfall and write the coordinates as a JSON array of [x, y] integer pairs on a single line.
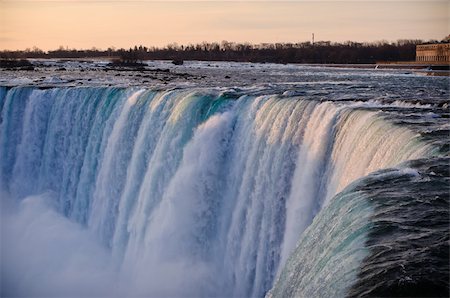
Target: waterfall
[[384, 234], [190, 192]]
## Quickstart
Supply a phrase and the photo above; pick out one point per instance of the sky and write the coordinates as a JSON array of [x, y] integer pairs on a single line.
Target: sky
[[103, 23]]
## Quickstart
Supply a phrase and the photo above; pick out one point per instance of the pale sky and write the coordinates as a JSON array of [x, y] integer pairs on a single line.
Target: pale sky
[[103, 23]]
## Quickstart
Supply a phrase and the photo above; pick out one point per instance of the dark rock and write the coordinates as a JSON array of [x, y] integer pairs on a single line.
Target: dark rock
[[21, 64], [178, 62]]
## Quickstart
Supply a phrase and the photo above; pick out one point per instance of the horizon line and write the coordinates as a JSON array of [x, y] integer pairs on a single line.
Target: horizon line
[[385, 41]]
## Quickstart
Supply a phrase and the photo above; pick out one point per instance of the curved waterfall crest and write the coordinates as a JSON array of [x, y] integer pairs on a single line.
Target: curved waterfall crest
[[209, 191]]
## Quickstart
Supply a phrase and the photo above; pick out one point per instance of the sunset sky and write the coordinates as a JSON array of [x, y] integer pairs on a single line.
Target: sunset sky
[[103, 23]]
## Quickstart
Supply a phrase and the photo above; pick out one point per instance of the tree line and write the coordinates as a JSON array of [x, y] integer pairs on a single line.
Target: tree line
[[304, 52]]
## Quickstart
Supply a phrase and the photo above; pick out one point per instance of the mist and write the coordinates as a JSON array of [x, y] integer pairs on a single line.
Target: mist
[[45, 254]]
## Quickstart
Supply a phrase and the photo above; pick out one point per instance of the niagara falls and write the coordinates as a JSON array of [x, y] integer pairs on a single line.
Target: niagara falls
[[298, 189], [224, 149]]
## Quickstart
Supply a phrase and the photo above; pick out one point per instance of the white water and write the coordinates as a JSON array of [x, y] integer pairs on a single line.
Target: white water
[[177, 193]]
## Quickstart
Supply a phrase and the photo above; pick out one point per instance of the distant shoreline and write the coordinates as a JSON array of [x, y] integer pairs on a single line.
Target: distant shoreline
[[321, 52]]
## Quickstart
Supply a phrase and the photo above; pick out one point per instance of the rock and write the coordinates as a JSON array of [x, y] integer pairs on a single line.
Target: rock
[[178, 62]]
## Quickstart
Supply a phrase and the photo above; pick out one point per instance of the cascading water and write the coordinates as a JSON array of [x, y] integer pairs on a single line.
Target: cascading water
[[178, 192], [385, 235]]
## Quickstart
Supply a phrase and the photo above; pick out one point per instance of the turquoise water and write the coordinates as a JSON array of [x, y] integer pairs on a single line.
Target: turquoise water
[[184, 192]]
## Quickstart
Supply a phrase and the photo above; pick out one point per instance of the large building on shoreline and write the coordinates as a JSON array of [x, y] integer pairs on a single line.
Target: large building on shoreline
[[436, 52]]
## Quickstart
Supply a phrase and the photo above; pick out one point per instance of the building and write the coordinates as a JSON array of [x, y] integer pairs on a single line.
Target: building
[[436, 52]]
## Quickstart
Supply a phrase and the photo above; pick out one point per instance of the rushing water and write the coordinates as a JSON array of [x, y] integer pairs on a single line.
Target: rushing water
[[384, 235], [194, 192]]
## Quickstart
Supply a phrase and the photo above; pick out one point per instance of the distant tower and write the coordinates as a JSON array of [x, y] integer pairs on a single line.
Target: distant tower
[[313, 39]]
